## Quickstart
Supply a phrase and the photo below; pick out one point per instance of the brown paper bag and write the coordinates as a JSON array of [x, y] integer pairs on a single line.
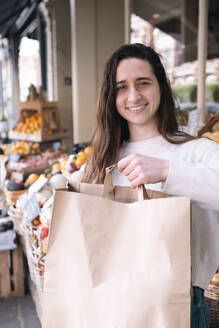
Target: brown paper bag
[[118, 264]]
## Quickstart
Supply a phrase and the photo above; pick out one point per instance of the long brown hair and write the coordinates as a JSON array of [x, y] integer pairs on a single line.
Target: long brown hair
[[110, 129]]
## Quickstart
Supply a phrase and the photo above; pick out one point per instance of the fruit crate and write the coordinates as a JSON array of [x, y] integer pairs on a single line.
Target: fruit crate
[[50, 127], [11, 273]]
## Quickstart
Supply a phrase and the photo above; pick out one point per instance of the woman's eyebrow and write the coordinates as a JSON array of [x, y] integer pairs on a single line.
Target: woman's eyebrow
[[122, 81], [144, 78], [138, 79]]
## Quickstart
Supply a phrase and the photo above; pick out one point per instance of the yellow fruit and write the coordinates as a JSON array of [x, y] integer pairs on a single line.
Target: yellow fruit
[[63, 162], [32, 178], [88, 150], [207, 135], [216, 134], [79, 161], [216, 139], [82, 155]]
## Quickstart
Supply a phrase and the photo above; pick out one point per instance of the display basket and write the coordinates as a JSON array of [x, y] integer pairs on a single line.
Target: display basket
[[34, 255], [12, 196], [17, 217], [212, 292], [214, 311], [212, 298]]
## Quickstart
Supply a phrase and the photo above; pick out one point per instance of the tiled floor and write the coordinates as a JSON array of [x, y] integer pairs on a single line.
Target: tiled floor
[[18, 312]]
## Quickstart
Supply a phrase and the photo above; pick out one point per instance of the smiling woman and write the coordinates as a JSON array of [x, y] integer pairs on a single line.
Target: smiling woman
[[133, 76], [136, 128]]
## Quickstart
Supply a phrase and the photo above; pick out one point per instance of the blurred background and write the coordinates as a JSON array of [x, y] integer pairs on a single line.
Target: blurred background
[[61, 47]]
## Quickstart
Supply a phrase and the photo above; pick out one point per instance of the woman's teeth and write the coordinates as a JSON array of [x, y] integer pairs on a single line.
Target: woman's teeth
[[135, 109]]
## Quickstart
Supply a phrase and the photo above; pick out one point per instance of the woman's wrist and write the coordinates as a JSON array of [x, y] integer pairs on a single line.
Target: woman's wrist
[[166, 164]]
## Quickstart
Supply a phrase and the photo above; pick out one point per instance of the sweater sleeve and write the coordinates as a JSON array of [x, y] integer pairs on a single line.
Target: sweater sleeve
[[197, 179]]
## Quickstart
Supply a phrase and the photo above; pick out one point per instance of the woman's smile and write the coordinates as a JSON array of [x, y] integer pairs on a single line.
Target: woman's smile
[[137, 109]]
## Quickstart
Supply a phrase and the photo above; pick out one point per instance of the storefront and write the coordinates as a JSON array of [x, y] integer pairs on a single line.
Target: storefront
[[52, 55]]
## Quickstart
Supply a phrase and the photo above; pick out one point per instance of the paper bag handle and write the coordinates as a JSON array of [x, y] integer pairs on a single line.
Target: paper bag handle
[[108, 190]]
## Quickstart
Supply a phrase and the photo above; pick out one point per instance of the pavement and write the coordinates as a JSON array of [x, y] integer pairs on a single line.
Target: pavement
[[18, 312]]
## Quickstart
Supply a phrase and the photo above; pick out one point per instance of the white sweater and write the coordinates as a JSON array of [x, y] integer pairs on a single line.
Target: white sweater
[[194, 173]]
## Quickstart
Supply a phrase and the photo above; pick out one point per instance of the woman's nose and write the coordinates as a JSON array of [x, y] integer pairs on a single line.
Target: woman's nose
[[133, 95]]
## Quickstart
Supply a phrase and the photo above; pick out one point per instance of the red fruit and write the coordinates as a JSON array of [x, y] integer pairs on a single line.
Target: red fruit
[[44, 231], [42, 269], [71, 167]]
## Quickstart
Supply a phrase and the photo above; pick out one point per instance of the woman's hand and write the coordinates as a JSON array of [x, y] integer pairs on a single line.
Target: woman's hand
[[142, 169]]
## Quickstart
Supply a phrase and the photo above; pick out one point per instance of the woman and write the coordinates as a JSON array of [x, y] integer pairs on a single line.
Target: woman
[[136, 126]]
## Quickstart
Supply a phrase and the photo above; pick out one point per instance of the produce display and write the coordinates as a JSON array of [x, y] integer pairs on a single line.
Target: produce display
[[22, 148], [37, 164], [32, 124], [34, 229]]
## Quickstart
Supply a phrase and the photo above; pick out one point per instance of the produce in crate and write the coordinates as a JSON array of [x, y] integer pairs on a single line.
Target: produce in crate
[[36, 222], [31, 124], [22, 148], [44, 231]]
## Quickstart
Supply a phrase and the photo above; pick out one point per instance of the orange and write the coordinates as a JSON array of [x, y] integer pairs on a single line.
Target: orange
[[88, 150], [81, 154], [79, 161]]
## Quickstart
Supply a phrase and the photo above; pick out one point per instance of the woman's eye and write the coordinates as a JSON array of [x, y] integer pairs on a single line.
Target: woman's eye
[[121, 88], [143, 83]]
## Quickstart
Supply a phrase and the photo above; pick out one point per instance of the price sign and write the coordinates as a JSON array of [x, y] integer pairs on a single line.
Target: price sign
[[31, 210], [22, 200], [194, 119]]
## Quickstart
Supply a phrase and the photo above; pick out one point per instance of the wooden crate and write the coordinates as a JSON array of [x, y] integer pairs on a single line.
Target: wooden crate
[[51, 126], [11, 273], [47, 109]]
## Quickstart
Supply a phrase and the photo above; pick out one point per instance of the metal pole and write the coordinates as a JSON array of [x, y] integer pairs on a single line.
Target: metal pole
[[202, 56], [127, 12]]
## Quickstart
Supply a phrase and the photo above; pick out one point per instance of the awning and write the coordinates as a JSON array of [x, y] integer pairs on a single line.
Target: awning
[[14, 14]]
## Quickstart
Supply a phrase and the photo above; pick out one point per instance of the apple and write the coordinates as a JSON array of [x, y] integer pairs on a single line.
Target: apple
[[44, 231], [42, 269]]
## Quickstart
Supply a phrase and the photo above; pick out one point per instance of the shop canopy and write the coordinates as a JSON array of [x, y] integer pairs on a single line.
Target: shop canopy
[[15, 15]]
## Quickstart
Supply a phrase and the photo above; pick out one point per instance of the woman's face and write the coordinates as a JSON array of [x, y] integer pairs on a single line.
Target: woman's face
[[138, 97]]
